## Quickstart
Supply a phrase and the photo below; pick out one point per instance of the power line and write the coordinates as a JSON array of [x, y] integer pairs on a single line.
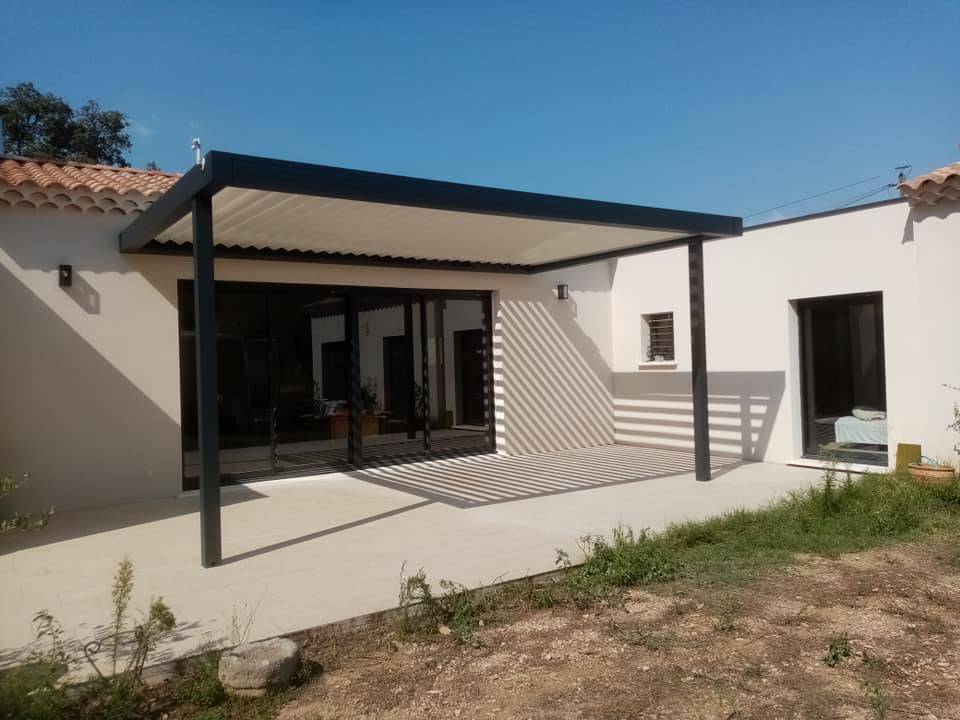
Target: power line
[[811, 197], [875, 191]]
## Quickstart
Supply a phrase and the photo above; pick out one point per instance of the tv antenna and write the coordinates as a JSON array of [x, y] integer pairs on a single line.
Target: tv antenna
[[195, 146]]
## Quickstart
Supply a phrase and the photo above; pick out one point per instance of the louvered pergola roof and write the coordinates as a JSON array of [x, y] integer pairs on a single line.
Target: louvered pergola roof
[[275, 208]]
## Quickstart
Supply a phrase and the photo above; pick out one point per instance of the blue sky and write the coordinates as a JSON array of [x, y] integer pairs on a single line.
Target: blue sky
[[721, 107]]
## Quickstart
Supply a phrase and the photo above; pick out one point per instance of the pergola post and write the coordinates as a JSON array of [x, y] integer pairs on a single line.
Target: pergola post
[[408, 351], [355, 432], [698, 362], [423, 401], [205, 316]]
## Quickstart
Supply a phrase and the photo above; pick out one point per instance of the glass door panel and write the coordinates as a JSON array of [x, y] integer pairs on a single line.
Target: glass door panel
[[310, 379], [459, 357], [244, 386], [843, 378], [390, 376]]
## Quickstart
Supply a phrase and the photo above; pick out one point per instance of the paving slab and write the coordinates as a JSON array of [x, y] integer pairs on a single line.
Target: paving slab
[[305, 552]]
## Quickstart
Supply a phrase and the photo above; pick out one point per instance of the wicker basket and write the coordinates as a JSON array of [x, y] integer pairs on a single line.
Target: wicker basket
[[932, 474]]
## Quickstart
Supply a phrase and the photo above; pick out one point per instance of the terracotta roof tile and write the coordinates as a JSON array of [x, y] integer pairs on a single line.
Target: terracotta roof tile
[[934, 186], [16, 171]]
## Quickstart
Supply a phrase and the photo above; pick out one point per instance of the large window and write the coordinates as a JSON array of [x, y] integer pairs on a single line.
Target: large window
[[314, 378]]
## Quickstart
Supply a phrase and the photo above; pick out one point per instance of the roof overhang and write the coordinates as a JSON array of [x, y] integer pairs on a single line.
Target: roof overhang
[[275, 209]]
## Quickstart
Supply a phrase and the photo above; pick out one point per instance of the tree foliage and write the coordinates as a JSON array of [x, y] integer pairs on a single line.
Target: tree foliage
[[45, 126]]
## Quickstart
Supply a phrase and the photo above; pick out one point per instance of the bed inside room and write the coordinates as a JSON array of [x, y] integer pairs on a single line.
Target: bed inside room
[[843, 382]]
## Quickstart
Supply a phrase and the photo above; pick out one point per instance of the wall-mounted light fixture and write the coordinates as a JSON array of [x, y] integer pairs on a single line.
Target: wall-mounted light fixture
[[65, 276], [563, 292]]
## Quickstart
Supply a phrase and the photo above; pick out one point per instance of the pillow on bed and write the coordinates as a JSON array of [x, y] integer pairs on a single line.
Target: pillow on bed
[[863, 413]]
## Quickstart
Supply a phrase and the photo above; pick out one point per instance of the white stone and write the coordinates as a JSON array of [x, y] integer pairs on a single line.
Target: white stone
[[256, 668]]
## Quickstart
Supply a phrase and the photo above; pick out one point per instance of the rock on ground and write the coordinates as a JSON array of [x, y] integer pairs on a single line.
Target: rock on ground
[[256, 668]]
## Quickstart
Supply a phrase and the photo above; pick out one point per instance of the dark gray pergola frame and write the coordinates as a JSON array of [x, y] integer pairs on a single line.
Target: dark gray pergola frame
[[194, 192]]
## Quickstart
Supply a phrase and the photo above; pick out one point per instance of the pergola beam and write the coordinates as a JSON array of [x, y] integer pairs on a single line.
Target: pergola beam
[[170, 207]]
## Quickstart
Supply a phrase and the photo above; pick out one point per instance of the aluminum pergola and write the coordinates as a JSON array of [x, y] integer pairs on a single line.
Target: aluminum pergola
[[271, 209]]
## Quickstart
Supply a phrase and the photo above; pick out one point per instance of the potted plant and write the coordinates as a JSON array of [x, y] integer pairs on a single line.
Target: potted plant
[[932, 472]]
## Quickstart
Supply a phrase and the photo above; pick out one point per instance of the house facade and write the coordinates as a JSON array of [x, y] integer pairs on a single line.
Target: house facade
[[318, 356]]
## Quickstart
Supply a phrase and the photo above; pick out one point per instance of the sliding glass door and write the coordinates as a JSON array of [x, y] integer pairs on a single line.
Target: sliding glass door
[[391, 376], [309, 375], [313, 378], [460, 373], [844, 387]]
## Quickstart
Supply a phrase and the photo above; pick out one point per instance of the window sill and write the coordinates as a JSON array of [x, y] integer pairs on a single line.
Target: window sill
[[658, 365]]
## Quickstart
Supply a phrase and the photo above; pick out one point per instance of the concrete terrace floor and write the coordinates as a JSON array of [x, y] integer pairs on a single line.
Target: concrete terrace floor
[[305, 552]]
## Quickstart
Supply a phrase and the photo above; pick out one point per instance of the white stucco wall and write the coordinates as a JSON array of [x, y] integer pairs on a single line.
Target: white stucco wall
[[90, 375], [912, 257]]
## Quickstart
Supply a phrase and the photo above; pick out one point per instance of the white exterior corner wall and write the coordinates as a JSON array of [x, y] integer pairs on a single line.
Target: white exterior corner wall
[[90, 374], [910, 255]]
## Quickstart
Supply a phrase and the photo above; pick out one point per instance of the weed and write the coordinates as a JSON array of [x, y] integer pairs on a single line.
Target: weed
[[33, 691], [545, 597], [236, 708], [838, 650], [873, 662], [625, 560], [798, 618], [680, 606], [457, 612], [877, 700], [200, 685], [116, 693], [241, 621], [728, 608], [725, 624], [647, 639], [19, 521]]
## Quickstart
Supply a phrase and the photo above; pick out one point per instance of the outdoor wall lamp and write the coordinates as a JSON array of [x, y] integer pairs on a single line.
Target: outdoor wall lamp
[[563, 292], [65, 276]]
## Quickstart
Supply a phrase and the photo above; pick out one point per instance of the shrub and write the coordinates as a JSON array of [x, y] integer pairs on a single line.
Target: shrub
[[18, 521], [34, 691]]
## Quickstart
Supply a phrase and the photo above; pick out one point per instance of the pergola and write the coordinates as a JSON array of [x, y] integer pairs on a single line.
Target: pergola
[[279, 210]]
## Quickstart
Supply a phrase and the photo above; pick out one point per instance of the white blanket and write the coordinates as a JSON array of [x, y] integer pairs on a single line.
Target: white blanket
[[865, 432]]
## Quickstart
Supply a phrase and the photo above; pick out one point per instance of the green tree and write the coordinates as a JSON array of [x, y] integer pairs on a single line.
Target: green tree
[[44, 126]]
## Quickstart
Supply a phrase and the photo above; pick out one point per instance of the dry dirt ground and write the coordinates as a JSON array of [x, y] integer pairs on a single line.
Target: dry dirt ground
[[681, 652]]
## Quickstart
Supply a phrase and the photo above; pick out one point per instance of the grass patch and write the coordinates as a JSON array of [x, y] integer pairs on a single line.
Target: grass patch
[[827, 520], [627, 559], [263, 708], [200, 685], [837, 516], [32, 692], [733, 548]]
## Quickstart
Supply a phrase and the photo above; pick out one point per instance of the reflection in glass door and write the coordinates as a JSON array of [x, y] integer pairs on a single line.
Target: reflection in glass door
[[460, 358], [391, 371], [311, 412], [243, 365], [293, 401]]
